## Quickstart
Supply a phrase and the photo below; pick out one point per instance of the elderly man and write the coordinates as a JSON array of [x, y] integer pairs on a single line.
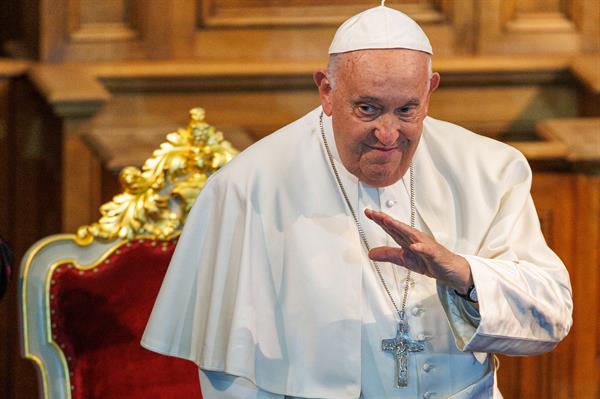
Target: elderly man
[[365, 250]]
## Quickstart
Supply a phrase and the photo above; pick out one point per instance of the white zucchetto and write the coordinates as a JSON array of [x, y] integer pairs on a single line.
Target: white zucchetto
[[379, 28]]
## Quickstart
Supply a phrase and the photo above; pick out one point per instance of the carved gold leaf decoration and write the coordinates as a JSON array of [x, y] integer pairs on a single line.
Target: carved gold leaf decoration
[[156, 199]]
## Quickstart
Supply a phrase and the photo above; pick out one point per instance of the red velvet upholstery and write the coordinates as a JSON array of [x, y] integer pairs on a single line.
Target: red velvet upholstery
[[98, 318]]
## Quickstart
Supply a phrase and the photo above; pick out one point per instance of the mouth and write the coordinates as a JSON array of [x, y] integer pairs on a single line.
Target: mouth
[[384, 149], [399, 145]]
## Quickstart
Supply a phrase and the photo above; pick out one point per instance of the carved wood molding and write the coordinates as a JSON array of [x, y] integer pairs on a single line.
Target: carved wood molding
[[79, 88], [581, 137], [71, 91], [528, 26], [101, 21], [536, 16], [104, 32], [541, 22], [160, 76], [10, 68], [587, 70], [219, 13]]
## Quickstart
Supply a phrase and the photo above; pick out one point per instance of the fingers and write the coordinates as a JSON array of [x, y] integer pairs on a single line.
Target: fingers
[[402, 239], [399, 257], [387, 254], [394, 227], [383, 219]]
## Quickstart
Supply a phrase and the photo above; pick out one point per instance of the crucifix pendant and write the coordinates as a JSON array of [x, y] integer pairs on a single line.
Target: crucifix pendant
[[400, 346]]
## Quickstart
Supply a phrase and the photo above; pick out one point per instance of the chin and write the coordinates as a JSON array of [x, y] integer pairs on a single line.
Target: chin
[[380, 176], [380, 181]]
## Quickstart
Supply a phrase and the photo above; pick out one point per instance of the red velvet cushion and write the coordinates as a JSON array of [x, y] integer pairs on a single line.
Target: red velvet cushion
[[98, 317]]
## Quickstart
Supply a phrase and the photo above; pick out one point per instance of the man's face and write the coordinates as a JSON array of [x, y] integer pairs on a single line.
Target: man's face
[[377, 105]]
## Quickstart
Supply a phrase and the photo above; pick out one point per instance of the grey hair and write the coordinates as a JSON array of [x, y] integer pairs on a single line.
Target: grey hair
[[335, 60]]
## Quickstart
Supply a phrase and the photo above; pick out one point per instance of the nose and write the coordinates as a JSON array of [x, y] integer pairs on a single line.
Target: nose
[[387, 130]]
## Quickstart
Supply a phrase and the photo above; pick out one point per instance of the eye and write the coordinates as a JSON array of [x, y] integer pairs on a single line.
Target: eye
[[406, 110], [367, 109]]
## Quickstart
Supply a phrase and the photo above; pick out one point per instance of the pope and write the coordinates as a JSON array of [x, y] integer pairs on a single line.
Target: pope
[[366, 249]]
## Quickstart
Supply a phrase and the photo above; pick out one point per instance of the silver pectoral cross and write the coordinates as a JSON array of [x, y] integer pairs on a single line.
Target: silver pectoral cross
[[400, 347]]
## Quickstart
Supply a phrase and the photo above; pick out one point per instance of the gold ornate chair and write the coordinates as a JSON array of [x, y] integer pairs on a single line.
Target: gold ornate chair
[[85, 298]]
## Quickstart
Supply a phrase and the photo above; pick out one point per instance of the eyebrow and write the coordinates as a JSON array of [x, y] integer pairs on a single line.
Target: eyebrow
[[411, 101], [366, 99]]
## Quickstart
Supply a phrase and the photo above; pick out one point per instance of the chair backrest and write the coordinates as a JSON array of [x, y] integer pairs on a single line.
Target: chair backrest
[[85, 298]]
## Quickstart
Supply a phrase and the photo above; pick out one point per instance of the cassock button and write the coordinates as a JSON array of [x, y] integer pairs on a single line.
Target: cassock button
[[428, 395], [390, 203]]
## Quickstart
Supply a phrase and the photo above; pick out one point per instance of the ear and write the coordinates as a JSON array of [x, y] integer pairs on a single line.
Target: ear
[[325, 90], [434, 82]]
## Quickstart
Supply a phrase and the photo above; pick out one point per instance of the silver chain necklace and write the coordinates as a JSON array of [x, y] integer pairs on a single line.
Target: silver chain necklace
[[402, 344]]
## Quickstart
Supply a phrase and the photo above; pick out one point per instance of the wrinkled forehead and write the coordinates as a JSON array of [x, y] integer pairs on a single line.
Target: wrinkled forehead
[[383, 61]]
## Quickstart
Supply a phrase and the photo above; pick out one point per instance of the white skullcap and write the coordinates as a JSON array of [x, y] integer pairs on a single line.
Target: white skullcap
[[379, 27]]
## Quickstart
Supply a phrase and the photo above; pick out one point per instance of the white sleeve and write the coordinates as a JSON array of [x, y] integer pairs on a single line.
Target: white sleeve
[[523, 288]]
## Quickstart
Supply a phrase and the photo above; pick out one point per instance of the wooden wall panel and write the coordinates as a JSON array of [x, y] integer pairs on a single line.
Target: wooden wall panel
[[35, 211], [502, 111], [300, 30], [533, 26], [5, 219], [11, 72], [5, 160], [86, 30], [89, 30], [258, 112], [549, 375], [106, 21], [228, 13], [586, 284]]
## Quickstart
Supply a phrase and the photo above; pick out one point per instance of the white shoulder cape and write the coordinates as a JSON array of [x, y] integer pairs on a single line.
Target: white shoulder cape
[[265, 282]]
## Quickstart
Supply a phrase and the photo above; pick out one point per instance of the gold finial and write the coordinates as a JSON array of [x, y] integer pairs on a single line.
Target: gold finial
[[156, 199], [197, 114]]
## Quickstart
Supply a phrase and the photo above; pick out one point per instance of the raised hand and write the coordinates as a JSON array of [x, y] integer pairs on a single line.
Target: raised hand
[[420, 253]]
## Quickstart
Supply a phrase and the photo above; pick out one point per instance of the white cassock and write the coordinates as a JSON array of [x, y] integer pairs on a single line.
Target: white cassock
[[270, 282]]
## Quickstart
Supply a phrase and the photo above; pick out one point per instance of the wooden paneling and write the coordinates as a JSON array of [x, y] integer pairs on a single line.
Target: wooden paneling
[[5, 210], [586, 283], [106, 21], [35, 208], [502, 110], [582, 137], [10, 73], [86, 30], [19, 28], [588, 70], [532, 26], [5, 159], [89, 30], [549, 375], [236, 13], [301, 30], [72, 97]]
